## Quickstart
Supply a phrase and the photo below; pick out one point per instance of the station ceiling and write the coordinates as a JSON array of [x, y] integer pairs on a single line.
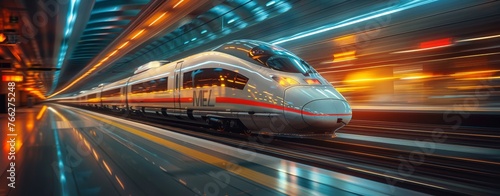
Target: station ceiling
[[64, 46]]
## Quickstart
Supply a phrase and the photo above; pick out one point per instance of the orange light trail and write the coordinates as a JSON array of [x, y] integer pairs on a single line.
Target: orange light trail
[[123, 45], [42, 111], [12, 78], [344, 56], [178, 3], [107, 57], [137, 34], [473, 72], [156, 20], [345, 40], [370, 79]]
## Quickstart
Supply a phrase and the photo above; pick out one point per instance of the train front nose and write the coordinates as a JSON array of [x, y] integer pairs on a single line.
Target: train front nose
[[326, 113], [316, 109]]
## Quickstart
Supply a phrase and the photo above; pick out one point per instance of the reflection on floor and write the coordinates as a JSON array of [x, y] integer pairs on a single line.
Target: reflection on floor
[[67, 151]]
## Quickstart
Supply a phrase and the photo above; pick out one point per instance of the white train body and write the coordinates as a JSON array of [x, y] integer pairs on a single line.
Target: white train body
[[242, 84]]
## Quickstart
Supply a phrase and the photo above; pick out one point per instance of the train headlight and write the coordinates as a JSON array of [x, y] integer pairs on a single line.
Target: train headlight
[[283, 81], [312, 81]]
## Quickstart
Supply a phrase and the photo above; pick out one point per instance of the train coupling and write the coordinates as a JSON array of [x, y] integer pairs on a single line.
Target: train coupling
[[343, 124]]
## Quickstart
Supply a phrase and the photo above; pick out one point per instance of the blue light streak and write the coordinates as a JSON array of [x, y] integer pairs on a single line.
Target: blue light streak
[[270, 3], [62, 176], [72, 13], [354, 20]]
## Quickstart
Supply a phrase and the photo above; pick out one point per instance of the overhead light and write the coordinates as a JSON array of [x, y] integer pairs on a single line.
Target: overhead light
[[137, 34], [177, 4], [113, 53], [2, 37], [123, 45], [270, 3], [12, 78], [344, 56], [345, 40], [159, 17], [479, 38], [354, 20]]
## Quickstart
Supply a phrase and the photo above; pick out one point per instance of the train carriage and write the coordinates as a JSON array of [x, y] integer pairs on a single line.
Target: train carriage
[[240, 85]]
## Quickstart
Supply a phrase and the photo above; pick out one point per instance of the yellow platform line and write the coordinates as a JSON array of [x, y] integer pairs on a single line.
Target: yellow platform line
[[263, 179]]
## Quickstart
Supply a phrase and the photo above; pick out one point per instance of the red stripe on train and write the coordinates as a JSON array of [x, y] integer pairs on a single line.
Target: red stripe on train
[[157, 100], [230, 100], [273, 106]]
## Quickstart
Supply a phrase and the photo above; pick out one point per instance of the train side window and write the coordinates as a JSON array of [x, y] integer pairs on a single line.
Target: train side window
[[152, 86], [111, 93], [217, 77], [162, 84], [240, 81], [91, 96], [187, 80], [138, 88], [233, 79], [205, 78], [157, 85]]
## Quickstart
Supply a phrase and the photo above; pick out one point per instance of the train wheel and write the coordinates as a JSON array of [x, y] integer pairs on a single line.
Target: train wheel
[[221, 126], [247, 132], [125, 112]]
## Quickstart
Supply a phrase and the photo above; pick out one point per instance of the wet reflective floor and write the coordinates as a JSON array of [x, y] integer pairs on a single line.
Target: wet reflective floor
[[68, 151]]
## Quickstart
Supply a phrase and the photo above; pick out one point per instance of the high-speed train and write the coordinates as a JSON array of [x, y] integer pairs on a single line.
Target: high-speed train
[[242, 85]]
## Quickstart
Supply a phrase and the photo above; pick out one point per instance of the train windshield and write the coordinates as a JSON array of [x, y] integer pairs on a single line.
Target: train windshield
[[267, 55]]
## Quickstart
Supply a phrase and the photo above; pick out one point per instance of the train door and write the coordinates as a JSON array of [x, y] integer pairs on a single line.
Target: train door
[[126, 92], [99, 96], [177, 84]]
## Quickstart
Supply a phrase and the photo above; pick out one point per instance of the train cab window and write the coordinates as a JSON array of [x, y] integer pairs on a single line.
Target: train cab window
[[214, 77], [266, 55], [157, 85], [288, 64]]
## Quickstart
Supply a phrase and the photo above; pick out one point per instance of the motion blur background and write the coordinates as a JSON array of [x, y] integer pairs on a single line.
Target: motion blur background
[[408, 53], [422, 77]]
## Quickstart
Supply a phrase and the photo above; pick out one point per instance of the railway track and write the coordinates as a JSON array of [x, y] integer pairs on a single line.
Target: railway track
[[460, 135]]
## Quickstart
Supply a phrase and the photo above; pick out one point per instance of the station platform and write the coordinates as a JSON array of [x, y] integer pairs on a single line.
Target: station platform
[[62, 150]]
